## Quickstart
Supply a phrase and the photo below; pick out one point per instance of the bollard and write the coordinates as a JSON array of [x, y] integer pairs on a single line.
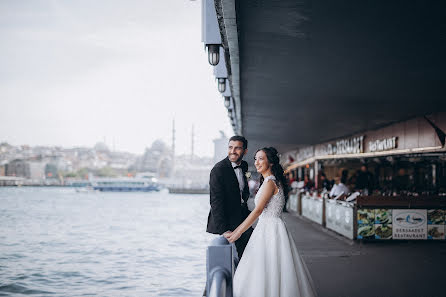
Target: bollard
[[219, 283], [220, 267]]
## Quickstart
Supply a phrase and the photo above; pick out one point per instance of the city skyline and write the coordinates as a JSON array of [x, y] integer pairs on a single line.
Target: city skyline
[[77, 74], [101, 143], [112, 147]]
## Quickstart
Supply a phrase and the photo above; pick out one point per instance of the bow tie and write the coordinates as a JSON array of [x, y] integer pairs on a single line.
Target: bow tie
[[238, 166]]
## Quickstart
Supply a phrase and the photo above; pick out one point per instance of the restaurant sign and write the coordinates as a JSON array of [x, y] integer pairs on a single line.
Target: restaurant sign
[[409, 223], [305, 153], [354, 145], [383, 144], [288, 157]]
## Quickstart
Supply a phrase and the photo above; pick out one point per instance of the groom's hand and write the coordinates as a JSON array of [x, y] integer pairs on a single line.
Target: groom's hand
[[227, 234], [232, 236]]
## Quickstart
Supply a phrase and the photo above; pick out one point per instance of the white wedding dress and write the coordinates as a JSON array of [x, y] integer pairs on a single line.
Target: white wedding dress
[[271, 265]]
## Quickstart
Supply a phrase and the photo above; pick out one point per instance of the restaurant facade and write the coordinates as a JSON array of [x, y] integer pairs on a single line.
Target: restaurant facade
[[405, 199]]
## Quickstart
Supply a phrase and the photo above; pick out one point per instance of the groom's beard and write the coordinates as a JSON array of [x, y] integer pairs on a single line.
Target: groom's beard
[[239, 159]]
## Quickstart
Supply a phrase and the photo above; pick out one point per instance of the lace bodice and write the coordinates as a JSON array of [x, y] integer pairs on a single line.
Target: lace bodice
[[274, 207]]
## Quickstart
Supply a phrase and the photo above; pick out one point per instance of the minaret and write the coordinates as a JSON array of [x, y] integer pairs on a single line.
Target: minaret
[[192, 148], [173, 145]]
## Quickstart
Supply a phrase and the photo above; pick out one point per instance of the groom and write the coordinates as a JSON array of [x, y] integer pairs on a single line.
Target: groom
[[229, 193]]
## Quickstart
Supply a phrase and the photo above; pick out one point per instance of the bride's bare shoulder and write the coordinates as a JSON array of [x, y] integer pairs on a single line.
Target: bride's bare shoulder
[[271, 186]]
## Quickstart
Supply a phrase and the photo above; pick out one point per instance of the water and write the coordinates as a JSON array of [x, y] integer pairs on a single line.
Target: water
[[57, 242]]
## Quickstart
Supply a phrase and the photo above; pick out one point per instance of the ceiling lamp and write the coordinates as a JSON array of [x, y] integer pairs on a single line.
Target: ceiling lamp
[[227, 101], [210, 31], [222, 85], [213, 53], [230, 113]]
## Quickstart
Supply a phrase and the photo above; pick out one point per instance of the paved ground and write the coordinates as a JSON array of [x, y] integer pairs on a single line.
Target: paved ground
[[340, 267]]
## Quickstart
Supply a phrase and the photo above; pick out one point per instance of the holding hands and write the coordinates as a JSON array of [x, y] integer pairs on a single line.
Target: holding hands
[[232, 236]]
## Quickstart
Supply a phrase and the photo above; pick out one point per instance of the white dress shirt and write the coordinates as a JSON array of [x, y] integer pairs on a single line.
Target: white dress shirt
[[241, 182], [338, 189]]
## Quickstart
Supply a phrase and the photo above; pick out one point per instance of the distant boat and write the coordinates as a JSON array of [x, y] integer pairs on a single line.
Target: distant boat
[[125, 184]]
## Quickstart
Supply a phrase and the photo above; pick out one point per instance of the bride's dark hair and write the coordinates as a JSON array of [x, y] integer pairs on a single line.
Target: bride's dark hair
[[276, 169]]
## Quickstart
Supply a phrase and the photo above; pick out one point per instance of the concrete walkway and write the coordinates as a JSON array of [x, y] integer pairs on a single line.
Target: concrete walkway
[[340, 267]]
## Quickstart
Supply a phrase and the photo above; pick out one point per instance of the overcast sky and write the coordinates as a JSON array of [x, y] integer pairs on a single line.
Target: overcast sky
[[73, 73]]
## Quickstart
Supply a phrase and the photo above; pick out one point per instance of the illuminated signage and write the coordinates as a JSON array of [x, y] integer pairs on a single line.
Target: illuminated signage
[[383, 144], [354, 145], [305, 153]]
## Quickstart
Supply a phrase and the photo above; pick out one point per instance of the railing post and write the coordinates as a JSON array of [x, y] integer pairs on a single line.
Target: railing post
[[220, 267], [219, 283]]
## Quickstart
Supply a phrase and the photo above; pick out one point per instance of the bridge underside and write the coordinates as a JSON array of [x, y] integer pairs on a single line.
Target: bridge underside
[[312, 71]]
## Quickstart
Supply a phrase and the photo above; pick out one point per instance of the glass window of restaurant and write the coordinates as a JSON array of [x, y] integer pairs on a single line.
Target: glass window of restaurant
[[416, 174]]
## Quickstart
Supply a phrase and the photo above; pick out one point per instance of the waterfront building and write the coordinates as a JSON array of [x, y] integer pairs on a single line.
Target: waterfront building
[[415, 145], [157, 158], [19, 168], [37, 170], [41, 163], [220, 147], [191, 173]]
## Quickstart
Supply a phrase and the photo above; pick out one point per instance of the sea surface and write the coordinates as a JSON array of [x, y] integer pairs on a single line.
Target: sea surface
[[58, 242]]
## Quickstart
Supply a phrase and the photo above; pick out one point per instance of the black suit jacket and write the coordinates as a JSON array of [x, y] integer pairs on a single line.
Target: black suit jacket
[[227, 211]]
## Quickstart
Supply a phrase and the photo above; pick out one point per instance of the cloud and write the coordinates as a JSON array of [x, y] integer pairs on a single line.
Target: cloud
[[72, 73]]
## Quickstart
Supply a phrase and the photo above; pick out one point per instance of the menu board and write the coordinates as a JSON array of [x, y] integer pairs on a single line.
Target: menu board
[[400, 223], [366, 220], [409, 223], [435, 224], [383, 224]]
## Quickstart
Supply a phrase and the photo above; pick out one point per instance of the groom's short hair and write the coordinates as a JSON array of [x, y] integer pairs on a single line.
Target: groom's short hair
[[240, 138]]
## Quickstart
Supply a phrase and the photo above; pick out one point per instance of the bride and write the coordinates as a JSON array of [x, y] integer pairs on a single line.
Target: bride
[[271, 265]]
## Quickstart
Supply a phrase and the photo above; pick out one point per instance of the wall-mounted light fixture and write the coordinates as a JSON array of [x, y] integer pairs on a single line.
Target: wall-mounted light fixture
[[230, 113], [222, 85], [220, 72], [227, 101], [210, 31], [213, 53]]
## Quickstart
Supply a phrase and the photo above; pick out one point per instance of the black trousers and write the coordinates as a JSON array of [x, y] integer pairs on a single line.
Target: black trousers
[[241, 243]]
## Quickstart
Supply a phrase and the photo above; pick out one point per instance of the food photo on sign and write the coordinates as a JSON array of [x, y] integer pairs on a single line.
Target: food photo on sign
[[383, 224], [366, 220], [435, 224]]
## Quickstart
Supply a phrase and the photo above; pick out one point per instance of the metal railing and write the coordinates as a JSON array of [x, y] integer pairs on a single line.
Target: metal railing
[[221, 262]]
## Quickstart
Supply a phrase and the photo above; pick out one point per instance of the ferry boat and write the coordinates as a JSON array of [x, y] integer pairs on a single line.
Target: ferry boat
[[125, 184]]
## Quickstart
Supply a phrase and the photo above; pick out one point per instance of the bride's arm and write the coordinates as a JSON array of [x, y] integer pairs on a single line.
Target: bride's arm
[[267, 193]]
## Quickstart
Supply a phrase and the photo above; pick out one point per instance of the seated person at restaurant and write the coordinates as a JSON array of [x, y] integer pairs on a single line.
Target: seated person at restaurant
[[344, 176], [339, 187], [364, 180], [308, 183], [325, 183], [401, 182]]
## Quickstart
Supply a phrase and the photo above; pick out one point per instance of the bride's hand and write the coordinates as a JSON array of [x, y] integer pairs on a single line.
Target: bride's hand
[[233, 236], [227, 234]]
